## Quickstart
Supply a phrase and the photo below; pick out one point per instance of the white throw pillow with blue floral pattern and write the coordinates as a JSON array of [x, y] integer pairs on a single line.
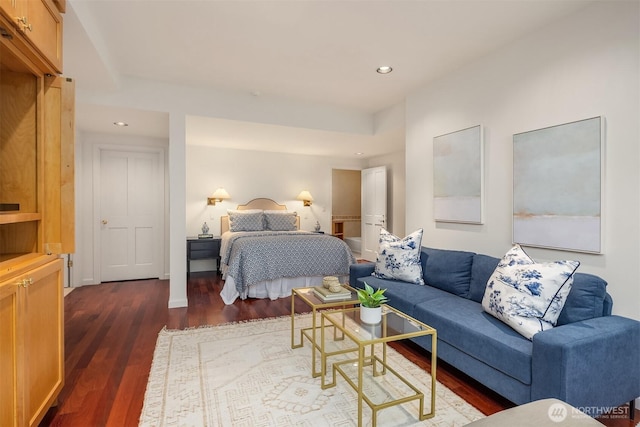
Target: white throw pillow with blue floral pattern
[[526, 295], [398, 258]]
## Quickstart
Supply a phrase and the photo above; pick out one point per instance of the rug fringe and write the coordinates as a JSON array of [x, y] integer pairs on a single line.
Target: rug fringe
[[237, 322]]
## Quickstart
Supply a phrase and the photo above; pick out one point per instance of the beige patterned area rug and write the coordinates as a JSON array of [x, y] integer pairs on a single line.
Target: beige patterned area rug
[[246, 374]]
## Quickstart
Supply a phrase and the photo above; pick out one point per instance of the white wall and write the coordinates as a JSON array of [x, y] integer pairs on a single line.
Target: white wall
[[250, 174], [583, 66]]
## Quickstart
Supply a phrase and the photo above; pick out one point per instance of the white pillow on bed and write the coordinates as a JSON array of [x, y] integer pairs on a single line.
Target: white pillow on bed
[[249, 220], [281, 220]]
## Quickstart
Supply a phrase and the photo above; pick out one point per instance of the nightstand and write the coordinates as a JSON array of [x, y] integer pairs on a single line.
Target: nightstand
[[203, 249]]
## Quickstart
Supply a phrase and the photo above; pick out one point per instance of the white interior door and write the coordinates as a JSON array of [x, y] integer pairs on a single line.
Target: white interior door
[[129, 214], [374, 209]]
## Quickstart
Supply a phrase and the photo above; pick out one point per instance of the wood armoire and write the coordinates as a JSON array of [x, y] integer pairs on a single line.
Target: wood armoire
[[36, 206]]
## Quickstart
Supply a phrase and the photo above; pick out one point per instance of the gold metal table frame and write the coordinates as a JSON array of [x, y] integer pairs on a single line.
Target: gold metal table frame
[[394, 326], [312, 300]]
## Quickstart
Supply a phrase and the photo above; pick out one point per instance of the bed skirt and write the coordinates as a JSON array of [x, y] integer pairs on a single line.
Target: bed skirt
[[274, 289]]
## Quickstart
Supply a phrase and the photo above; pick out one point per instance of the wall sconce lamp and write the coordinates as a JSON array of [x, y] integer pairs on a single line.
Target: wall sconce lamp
[[306, 198], [219, 195]]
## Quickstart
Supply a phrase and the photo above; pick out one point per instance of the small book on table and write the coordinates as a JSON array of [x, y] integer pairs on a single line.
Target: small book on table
[[326, 295]]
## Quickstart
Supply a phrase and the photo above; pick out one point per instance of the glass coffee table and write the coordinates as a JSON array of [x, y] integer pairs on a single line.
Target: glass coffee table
[[316, 303], [394, 326]]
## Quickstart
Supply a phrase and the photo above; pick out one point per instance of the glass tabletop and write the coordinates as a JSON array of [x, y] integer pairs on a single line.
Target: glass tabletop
[[310, 296], [395, 325]]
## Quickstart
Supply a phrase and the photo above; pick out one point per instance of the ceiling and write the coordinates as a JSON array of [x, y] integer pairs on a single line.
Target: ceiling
[[311, 52]]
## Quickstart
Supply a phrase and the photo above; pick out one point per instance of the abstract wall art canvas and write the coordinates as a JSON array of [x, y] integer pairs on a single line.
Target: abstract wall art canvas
[[557, 186], [458, 176]]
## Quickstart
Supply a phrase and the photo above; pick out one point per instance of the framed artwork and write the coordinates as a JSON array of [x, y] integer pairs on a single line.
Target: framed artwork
[[557, 186], [458, 177]]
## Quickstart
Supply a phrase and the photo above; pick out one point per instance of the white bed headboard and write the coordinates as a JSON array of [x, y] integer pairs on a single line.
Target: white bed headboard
[[259, 203]]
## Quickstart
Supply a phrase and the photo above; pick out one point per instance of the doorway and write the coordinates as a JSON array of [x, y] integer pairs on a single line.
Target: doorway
[[346, 202], [374, 210]]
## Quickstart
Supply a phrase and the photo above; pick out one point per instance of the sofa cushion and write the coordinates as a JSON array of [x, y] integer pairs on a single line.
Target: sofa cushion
[[586, 299], [481, 270], [402, 295], [448, 270], [398, 258], [528, 296], [463, 324]]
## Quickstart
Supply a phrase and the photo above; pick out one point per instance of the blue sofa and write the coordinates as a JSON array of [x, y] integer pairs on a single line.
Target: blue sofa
[[589, 360]]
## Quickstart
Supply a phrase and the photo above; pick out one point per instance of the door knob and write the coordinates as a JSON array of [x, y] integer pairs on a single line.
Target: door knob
[[104, 222]]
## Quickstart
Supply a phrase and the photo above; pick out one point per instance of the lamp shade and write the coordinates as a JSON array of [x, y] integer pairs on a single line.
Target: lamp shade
[[220, 194], [306, 197]]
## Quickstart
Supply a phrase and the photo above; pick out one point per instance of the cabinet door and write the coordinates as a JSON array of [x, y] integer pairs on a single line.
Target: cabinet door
[[9, 392], [41, 23], [44, 339], [59, 113], [44, 30], [11, 9]]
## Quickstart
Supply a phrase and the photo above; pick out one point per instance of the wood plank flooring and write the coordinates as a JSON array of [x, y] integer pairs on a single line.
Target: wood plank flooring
[[111, 331]]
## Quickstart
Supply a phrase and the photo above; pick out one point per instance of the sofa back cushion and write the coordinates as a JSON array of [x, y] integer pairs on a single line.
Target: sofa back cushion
[[588, 299], [448, 270], [481, 270]]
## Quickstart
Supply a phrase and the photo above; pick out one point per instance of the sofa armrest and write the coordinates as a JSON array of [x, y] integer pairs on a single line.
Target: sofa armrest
[[360, 270], [591, 364]]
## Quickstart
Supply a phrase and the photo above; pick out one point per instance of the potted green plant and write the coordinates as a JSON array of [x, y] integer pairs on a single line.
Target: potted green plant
[[370, 304]]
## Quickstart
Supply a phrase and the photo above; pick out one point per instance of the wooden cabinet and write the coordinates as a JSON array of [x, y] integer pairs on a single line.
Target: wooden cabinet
[[43, 333], [32, 349], [203, 249], [36, 163], [20, 211], [337, 229], [40, 23], [36, 212], [9, 392]]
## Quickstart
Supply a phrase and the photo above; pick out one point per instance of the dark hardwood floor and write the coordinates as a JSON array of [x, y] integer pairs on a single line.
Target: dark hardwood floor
[[111, 331]]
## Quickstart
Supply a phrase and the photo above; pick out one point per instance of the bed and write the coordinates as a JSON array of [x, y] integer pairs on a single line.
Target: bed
[[264, 254]]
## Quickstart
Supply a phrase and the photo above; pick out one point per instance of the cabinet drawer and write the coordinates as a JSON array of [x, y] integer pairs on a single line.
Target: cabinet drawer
[[208, 245], [201, 249], [203, 253]]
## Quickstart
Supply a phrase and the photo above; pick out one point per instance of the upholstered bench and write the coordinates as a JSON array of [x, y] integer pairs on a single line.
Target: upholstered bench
[[540, 413]]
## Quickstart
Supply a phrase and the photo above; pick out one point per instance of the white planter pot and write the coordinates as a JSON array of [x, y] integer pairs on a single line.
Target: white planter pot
[[372, 316]]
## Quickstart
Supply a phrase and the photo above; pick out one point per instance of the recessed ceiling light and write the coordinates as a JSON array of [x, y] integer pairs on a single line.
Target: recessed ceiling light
[[122, 124], [359, 153], [385, 69]]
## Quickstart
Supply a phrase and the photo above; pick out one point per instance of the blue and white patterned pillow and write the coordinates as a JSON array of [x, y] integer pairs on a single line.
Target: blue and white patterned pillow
[[526, 295], [281, 221], [246, 220], [398, 258]]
